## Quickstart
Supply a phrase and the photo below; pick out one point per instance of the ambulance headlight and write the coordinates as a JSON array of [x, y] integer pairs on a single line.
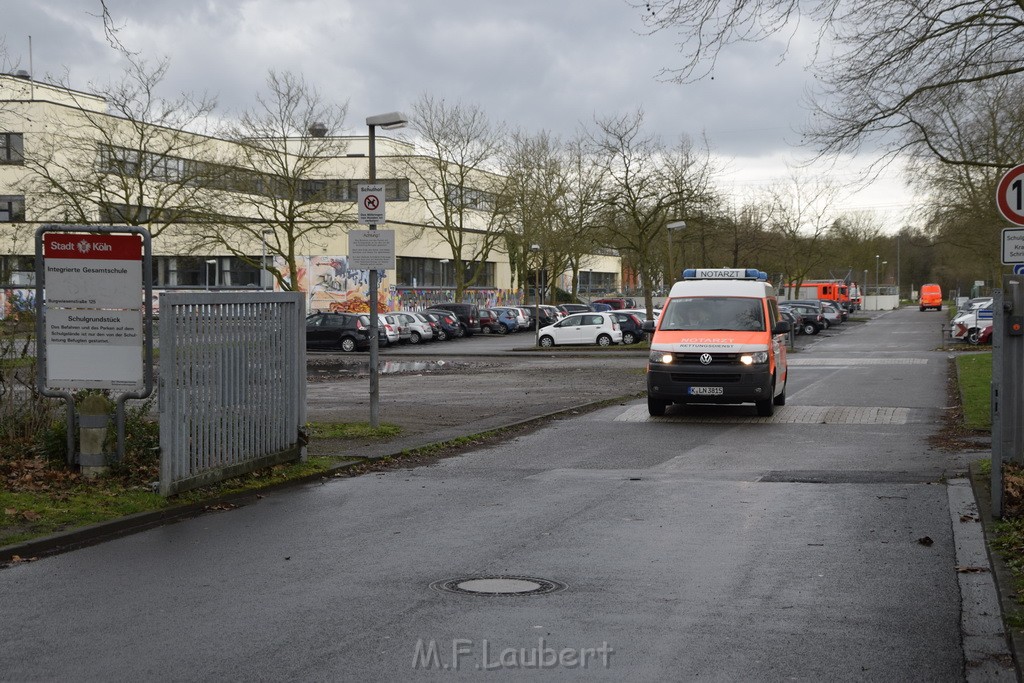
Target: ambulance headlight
[[756, 357], [660, 357]]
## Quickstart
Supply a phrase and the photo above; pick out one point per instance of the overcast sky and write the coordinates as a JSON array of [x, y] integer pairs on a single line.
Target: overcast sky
[[535, 64]]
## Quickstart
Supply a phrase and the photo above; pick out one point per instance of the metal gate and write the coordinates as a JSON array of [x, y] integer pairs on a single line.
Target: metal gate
[[232, 387]]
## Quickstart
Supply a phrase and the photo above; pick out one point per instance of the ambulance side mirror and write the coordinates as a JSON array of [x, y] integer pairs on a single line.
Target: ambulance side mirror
[[648, 326], [781, 327]]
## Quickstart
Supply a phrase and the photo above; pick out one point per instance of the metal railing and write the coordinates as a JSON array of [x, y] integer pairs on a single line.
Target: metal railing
[[232, 384]]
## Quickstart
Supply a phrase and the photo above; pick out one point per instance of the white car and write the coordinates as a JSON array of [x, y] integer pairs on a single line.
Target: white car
[[397, 330], [966, 318], [419, 327], [582, 328]]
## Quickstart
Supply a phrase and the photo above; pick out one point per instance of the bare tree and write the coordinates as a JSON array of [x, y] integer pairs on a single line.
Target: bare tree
[[455, 179], [802, 211], [279, 178], [140, 161], [883, 67], [646, 186]]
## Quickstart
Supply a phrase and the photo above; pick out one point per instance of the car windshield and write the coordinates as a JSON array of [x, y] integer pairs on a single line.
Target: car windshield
[[734, 314]]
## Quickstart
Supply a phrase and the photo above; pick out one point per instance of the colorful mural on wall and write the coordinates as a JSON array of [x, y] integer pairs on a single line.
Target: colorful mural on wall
[[330, 285], [16, 301]]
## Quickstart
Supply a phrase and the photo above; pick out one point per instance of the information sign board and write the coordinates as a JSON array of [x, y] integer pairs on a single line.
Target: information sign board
[[371, 250]]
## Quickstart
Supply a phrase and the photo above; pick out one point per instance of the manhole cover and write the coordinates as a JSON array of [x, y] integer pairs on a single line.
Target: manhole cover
[[498, 586]]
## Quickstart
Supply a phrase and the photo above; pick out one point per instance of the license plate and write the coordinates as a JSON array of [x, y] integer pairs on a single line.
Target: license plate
[[705, 391]]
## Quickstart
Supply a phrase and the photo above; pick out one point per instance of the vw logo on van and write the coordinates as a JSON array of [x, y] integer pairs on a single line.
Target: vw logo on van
[[705, 359]]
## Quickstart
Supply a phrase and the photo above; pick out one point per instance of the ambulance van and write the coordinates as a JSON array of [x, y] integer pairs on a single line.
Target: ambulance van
[[719, 339]]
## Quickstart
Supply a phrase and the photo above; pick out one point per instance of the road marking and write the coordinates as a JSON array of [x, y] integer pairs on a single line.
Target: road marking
[[840, 362], [833, 415]]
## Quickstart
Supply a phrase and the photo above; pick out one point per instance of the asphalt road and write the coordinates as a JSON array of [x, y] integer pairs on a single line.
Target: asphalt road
[[820, 543]]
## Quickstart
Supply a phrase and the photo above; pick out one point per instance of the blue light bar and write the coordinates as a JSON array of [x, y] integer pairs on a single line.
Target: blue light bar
[[725, 274]]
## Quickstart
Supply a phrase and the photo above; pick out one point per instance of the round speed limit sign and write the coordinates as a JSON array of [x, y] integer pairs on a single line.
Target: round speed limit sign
[[1010, 195]]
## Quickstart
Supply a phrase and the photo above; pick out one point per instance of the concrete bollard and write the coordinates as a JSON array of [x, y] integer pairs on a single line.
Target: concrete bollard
[[93, 418]]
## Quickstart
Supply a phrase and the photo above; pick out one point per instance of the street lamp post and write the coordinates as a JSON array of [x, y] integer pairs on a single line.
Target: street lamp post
[[535, 248], [670, 228], [876, 282], [388, 121]]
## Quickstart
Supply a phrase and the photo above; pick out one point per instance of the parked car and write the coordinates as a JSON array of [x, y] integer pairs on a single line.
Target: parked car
[[811, 319], [642, 313], [345, 331], [842, 307], [582, 328], [522, 320], [615, 302], [792, 318], [549, 315], [447, 324], [816, 304], [601, 307], [833, 315], [508, 320], [468, 316], [399, 325], [387, 333], [419, 327], [573, 308], [971, 324], [631, 325], [489, 322]]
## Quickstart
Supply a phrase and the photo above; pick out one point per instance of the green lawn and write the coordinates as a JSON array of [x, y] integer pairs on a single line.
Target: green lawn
[[974, 371]]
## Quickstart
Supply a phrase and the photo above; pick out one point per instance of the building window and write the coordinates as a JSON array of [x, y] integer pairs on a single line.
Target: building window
[[191, 271], [12, 148], [431, 272], [17, 271], [12, 208]]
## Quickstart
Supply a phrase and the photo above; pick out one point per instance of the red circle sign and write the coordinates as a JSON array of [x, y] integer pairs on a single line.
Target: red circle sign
[[1010, 195]]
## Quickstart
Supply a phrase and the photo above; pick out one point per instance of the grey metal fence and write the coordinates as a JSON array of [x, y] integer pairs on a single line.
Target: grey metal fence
[[232, 384]]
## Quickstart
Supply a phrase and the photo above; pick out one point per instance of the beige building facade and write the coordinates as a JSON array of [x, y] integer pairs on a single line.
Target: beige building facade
[[52, 136]]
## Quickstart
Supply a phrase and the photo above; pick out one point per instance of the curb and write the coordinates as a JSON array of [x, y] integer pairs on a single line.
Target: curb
[[94, 534], [1012, 610]]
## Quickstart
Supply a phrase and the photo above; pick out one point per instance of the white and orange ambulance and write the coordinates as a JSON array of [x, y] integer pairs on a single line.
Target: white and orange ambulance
[[719, 339]]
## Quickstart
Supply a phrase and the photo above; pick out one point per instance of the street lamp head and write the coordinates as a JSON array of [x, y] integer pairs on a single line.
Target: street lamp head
[[389, 121], [676, 225], [534, 247]]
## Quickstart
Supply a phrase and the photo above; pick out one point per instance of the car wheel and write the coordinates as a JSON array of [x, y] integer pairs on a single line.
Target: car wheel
[[628, 338], [922, 308], [604, 340], [442, 335], [810, 328], [974, 336], [486, 329], [415, 338], [460, 332], [502, 329], [347, 344], [656, 407], [547, 342]]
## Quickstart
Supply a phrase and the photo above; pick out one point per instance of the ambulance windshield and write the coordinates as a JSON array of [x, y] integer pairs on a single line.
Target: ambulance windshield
[[706, 313]]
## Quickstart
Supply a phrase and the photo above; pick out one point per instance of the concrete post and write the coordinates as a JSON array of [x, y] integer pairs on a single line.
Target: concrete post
[[93, 418]]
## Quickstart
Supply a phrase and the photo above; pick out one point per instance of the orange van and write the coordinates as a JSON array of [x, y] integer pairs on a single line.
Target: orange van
[[719, 339], [931, 297]]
